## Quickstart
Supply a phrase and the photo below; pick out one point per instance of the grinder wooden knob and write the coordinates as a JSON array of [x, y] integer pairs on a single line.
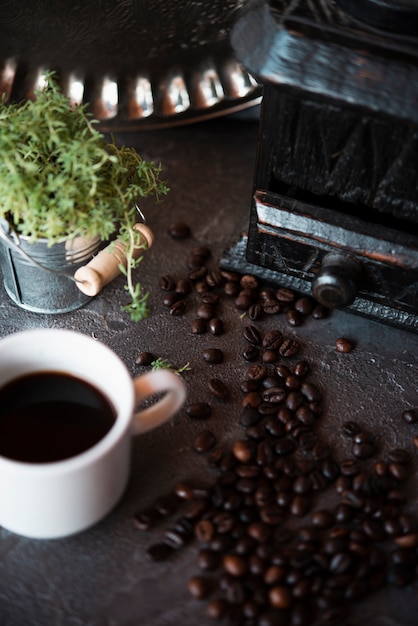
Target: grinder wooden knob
[[104, 267], [337, 281]]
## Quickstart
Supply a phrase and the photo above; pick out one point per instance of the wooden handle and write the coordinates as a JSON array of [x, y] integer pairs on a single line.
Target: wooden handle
[[104, 267]]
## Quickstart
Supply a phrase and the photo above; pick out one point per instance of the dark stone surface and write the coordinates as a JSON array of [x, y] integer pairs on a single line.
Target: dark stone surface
[[103, 576]]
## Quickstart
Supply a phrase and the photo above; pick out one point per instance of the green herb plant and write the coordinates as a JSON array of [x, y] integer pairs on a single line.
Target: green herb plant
[[60, 178], [161, 363]]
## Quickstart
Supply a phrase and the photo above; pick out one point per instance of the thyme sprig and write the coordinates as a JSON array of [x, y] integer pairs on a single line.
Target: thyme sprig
[[161, 363]]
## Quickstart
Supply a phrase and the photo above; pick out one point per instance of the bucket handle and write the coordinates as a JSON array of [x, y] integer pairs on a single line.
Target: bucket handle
[[12, 239]]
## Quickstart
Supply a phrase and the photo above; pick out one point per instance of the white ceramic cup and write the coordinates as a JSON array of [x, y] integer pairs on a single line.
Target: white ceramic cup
[[50, 500]]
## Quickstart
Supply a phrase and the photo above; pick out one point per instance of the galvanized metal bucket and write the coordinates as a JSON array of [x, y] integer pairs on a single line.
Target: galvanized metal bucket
[[39, 277]]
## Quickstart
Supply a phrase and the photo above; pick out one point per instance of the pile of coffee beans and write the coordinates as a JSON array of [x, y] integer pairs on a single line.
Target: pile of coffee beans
[[286, 534]]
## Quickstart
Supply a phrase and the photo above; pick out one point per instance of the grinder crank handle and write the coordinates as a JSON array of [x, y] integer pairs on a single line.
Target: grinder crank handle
[[104, 267]]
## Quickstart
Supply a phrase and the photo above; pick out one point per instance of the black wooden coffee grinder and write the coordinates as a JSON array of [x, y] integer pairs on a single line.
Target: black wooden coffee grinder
[[335, 204]]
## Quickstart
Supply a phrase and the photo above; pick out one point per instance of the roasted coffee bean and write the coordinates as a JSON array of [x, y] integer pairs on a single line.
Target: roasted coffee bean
[[204, 530], [293, 400], [170, 298], [208, 559], [302, 485], [410, 416], [320, 312], [167, 283], [322, 519], [294, 318], [204, 441], [199, 410], [199, 326], [269, 356], [205, 311], [272, 340], [340, 563], [201, 250], [274, 427], [230, 276], [195, 261], [257, 372], [199, 587], [209, 297], [301, 369], [343, 344], [274, 395], [197, 273], [244, 451], [284, 446], [245, 299], [255, 312], [305, 415], [160, 551], [216, 326], [304, 305], [399, 471], [285, 295], [213, 355], [144, 358], [349, 467], [310, 392], [175, 538], [218, 388], [363, 450], [248, 281], [214, 279], [178, 308], [217, 608], [179, 230], [183, 287], [252, 399], [251, 353], [282, 371], [271, 307], [235, 564], [231, 289], [249, 416], [300, 505], [145, 520], [292, 382], [289, 348], [259, 531], [399, 455]]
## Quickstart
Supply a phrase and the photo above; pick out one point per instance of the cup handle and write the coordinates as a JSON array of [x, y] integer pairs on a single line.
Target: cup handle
[[162, 410]]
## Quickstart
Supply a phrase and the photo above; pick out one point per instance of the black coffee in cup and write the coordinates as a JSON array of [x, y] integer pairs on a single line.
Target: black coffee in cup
[[51, 416]]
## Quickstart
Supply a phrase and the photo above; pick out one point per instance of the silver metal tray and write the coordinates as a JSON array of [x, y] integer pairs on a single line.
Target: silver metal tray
[[140, 65]]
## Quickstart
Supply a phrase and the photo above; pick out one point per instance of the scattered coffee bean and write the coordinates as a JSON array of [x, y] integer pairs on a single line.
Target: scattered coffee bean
[[199, 326], [216, 326], [285, 295], [272, 340], [178, 308], [183, 287], [213, 355], [289, 348], [205, 311], [167, 283], [199, 587], [160, 551], [179, 230], [199, 410], [342, 344], [252, 335], [410, 416], [144, 358], [204, 441], [218, 388]]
